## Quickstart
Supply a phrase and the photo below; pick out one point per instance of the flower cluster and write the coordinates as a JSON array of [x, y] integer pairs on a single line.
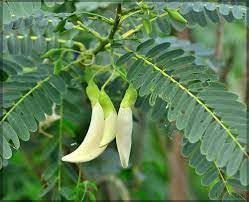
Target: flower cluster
[[106, 125]]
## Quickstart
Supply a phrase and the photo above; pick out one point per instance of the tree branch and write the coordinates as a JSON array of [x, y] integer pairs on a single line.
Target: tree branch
[[101, 46]]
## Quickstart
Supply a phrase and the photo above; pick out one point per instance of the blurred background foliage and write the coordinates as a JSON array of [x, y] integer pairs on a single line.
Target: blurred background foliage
[[35, 172]]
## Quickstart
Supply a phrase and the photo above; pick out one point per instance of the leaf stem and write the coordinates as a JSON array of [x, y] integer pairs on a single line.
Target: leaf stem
[[140, 26], [70, 50], [108, 80], [70, 64], [101, 17], [82, 27], [222, 178]]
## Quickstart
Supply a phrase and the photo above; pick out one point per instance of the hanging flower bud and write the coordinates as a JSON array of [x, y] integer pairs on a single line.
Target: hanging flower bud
[[89, 148], [176, 15], [125, 125], [110, 119]]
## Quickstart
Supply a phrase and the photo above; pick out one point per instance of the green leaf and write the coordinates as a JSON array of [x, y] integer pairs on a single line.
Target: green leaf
[[209, 177], [164, 25], [60, 26], [44, 102], [234, 162], [144, 45], [52, 93], [6, 152], [19, 10], [10, 134], [19, 126], [91, 196], [216, 191], [226, 154], [200, 121], [237, 185], [50, 171], [35, 108], [124, 58], [51, 146], [157, 49], [203, 166], [67, 193], [58, 83], [167, 56], [27, 117], [188, 149], [244, 172], [52, 52], [232, 197], [49, 187]]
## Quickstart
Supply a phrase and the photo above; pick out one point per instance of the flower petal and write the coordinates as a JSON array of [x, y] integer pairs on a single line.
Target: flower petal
[[123, 136], [109, 129], [89, 148]]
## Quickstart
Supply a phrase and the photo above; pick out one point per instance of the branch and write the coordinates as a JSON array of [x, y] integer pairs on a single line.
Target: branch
[[112, 32], [103, 18], [82, 27], [140, 26], [116, 22]]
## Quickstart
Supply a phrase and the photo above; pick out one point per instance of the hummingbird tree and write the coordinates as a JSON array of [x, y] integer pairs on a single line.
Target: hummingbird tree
[[122, 61]]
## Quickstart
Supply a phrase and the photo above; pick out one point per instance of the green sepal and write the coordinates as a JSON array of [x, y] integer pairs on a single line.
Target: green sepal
[[92, 92], [130, 97], [106, 103], [89, 74], [147, 26], [176, 15], [58, 66]]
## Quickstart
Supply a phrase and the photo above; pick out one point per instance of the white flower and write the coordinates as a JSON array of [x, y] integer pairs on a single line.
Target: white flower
[[123, 135], [110, 119], [89, 148], [125, 125], [105, 126], [109, 129]]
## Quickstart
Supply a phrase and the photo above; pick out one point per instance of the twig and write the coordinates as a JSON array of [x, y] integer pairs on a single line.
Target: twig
[[101, 17], [82, 27], [133, 31], [112, 32]]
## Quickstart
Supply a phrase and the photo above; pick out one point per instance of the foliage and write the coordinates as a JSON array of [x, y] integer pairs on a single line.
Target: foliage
[[50, 50]]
